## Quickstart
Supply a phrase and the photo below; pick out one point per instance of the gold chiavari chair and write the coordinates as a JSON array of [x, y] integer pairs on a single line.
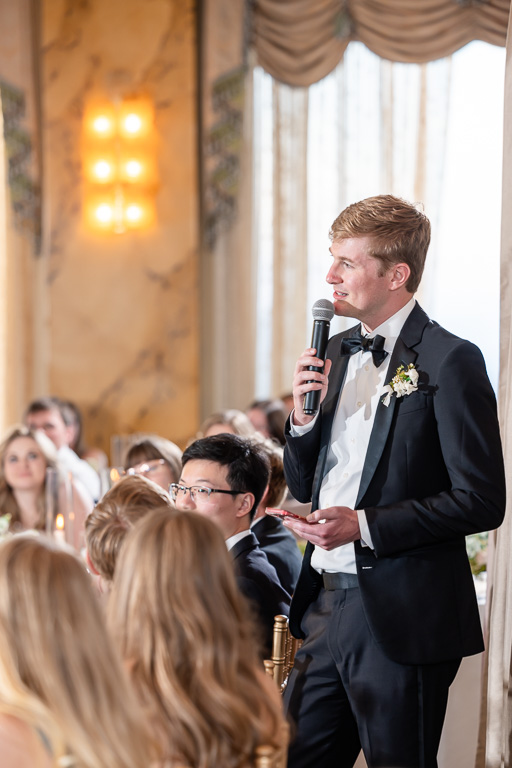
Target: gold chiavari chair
[[284, 648]]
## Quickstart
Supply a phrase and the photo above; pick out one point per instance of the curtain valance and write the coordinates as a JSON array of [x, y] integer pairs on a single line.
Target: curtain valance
[[300, 41]]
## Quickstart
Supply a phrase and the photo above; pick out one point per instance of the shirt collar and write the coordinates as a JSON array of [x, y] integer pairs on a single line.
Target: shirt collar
[[230, 543], [391, 327]]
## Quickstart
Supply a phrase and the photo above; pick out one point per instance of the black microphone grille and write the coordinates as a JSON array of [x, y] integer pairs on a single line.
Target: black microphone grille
[[323, 309]]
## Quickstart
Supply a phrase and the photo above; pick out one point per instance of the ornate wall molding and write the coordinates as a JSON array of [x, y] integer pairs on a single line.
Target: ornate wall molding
[[25, 194]]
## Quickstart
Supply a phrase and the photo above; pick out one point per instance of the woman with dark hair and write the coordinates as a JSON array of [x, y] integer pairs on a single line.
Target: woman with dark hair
[[269, 418]]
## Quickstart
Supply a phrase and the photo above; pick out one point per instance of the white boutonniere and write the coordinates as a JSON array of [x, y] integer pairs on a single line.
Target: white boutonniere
[[403, 383]]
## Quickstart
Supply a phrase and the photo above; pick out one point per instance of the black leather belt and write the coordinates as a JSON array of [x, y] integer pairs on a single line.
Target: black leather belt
[[340, 580]]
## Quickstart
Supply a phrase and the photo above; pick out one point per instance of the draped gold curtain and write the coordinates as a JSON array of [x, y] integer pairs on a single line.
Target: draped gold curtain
[[496, 729], [228, 270], [300, 41]]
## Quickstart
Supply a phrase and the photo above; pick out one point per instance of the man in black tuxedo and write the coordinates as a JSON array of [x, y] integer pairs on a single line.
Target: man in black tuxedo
[[401, 463], [277, 542], [224, 477]]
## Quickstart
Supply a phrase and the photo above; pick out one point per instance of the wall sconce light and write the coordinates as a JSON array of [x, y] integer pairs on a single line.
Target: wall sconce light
[[119, 165]]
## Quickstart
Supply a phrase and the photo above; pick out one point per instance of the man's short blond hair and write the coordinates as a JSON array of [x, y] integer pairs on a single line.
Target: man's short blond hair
[[399, 232], [122, 506]]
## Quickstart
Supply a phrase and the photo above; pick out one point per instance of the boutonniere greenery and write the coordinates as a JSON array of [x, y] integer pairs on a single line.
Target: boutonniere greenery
[[404, 382], [5, 521]]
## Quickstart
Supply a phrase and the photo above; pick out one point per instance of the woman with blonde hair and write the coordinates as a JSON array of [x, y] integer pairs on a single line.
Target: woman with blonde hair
[[185, 631], [114, 516], [25, 455], [232, 421], [64, 697]]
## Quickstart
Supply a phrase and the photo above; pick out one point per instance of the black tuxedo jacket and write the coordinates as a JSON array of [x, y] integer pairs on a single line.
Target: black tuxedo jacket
[[258, 581], [280, 546], [433, 474]]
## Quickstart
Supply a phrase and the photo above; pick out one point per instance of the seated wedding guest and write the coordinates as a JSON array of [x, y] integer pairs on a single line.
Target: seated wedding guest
[[106, 527], [65, 699], [72, 415], [25, 455], [46, 413], [187, 638], [156, 458], [231, 421], [224, 478], [278, 543], [268, 417], [287, 400]]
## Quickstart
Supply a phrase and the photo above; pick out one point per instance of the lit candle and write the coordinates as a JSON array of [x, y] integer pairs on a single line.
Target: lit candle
[[59, 534]]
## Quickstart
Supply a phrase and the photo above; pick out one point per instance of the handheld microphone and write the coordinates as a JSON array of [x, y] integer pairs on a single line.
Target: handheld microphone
[[323, 312]]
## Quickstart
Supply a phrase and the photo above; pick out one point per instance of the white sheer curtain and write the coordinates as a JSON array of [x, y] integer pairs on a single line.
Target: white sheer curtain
[[430, 133], [496, 725]]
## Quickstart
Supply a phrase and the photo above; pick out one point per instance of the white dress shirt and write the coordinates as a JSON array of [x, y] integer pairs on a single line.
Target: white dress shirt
[[82, 472], [350, 434]]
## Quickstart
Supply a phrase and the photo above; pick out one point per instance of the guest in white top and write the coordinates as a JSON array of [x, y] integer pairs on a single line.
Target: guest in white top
[[46, 414]]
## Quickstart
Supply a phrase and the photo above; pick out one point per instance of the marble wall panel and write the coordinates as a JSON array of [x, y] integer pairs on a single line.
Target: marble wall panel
[[19, 265], [122, 310]]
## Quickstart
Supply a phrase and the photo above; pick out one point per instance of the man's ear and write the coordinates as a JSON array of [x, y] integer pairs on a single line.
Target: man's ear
[[245, 504], [399, 275]]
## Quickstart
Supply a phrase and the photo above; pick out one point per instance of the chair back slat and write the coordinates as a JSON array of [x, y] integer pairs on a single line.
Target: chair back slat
[[284, 648], [279, 645]]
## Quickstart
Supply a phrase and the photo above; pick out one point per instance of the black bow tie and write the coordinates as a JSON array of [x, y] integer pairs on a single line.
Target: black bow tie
[[357, 343]]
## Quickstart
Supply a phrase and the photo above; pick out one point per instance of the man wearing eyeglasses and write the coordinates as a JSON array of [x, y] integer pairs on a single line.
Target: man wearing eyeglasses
[[224, 478], [50, 415]]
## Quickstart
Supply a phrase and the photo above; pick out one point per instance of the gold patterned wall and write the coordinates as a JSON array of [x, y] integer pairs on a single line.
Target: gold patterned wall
[[119, 313]]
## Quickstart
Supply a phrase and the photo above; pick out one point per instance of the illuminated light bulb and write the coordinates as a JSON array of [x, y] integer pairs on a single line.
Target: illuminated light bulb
[[101, 124], [134, 213], [59, 534], [115, 475], [102, 169], [133, 168], [104, 213], [132, 123]]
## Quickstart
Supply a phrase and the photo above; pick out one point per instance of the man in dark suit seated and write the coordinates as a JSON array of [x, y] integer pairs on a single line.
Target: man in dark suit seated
[[278, 543], [224, 478], [401, 462]]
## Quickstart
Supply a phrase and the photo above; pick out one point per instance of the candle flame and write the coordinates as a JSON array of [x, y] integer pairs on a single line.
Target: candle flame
[[59, 522]]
